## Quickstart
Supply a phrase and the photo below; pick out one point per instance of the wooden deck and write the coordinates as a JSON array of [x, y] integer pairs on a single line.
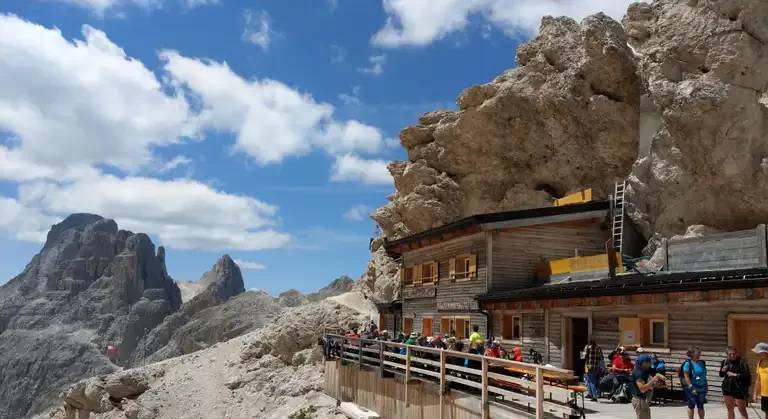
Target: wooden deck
[[428, 382]]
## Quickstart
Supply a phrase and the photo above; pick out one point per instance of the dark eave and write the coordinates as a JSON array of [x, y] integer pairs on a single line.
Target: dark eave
[[638, 284], [474, 223]]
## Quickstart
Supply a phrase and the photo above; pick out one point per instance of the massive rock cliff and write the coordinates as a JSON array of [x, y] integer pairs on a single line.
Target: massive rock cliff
[[705, 65], [566, 118], [90, 285]]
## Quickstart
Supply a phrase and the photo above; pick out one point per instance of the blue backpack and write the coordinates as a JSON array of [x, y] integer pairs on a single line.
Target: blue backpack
[[681, 371]]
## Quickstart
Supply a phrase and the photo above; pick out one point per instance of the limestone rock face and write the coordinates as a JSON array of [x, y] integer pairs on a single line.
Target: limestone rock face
[[336, 287], [705, 64], [566, 118], [381, 282], [90, 285], [207, 318], [292, 298]]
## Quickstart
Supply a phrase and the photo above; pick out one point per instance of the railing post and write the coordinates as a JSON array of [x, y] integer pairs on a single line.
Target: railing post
[[381, 359], [484, 399], [442, 381], [539, 393], [407, 371], [360, 354]]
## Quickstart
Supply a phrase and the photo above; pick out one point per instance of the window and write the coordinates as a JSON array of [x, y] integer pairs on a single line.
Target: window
[[644, 330], [511, 327], [426, 327], [461, 325], [429, 271], [407, 325], [407, 276], [658, 332], [463, 266]]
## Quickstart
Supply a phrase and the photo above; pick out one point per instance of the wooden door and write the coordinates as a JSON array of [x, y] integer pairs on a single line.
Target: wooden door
[[426, 327], [445, 325], [749, 333], [407, 326]]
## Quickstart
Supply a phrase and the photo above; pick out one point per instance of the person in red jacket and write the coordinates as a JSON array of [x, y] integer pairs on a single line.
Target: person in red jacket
[[621, 362]]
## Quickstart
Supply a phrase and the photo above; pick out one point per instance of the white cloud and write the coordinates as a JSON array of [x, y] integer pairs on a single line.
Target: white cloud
[[271, 120], [349, 168], [82, 102], [245, 264], [338, 54], [421, 22], [258, 28], [175, 163], [102, 7], [333, 4], [183, 213], [23, 223], [357, 212], [377, 65], [351, 99]]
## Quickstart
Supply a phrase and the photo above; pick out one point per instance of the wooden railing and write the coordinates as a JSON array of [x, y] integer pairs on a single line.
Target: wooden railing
[[528, 387]]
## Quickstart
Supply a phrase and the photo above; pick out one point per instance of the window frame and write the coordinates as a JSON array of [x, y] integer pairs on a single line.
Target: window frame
[[651, 333], [646, 324], [452, 325], [466, 274], [405, 275], [434, 270], [407, 332]]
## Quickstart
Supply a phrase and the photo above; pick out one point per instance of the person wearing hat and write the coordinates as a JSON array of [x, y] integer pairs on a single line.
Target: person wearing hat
[[761, 383], [640, 384]]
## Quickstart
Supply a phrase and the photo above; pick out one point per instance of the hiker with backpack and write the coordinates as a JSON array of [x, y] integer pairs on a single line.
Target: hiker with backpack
[[693, 378], [736, 381], [640, 385]]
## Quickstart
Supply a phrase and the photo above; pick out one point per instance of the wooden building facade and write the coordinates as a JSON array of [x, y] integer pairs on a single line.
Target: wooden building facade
[[711, 292], [444, 269]]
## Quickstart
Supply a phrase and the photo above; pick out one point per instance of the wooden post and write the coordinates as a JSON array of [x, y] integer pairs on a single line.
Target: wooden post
[[381, 359], [539, 393], [484, 397], [664, 254], [407, 371], [442, 382], [360, 354]]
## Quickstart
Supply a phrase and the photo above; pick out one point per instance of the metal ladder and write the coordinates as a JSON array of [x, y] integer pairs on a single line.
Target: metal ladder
[[618, 215]]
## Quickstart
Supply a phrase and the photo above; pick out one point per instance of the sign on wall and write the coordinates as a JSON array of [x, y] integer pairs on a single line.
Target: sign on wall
[[458, 304], [418, 292]]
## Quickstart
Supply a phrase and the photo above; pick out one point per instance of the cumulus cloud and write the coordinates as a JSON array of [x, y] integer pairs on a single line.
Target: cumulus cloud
[[271, 120], [352, 168], [258, 28], [82, 102], [356, 212], [421, 22], [245, 264], [377, 65]]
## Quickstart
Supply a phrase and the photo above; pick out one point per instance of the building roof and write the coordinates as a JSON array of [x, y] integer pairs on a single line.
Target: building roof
[[502, 219], [637, 283]]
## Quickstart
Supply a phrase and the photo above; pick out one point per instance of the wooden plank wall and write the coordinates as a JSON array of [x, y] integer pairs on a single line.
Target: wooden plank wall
[[739, 249], [533, 334], [447, 289], [555, 338], [517, 251]]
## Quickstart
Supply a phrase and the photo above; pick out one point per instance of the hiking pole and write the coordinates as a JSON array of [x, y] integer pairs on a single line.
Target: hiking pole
[[746, 399]]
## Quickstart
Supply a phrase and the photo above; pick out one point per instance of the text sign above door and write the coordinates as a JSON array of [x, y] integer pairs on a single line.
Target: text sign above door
[[464, 304], [418, 292]]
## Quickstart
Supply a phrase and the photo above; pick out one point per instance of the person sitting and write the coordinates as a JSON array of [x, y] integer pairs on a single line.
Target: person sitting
[[517, 354], [493, 349]]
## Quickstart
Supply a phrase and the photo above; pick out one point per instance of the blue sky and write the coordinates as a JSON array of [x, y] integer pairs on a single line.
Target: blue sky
[[256, 128]]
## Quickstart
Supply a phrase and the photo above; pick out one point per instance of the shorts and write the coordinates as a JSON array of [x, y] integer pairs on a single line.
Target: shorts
[[695, 400], [735, 394], [764, 403]]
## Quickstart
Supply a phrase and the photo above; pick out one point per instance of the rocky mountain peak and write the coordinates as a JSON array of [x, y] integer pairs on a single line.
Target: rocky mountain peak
[[224, 280], [73, 222]]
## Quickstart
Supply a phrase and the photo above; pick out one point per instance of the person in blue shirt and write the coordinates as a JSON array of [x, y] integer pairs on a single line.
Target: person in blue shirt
[[695, 373], [640, 385]]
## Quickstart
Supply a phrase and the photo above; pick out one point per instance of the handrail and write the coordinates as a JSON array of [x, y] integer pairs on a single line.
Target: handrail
[[352, 350]]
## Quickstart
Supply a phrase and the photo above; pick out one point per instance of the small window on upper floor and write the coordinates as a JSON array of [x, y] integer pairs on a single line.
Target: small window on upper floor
[[463, 266]]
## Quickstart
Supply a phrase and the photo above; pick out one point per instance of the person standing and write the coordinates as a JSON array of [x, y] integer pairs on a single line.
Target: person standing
[[736, 380], [695, 381], [640, 385], [761, 383], [475, 339], [593, 356]]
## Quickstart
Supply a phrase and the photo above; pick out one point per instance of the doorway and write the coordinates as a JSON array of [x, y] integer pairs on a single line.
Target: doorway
[[746, 332], [578, 337]]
